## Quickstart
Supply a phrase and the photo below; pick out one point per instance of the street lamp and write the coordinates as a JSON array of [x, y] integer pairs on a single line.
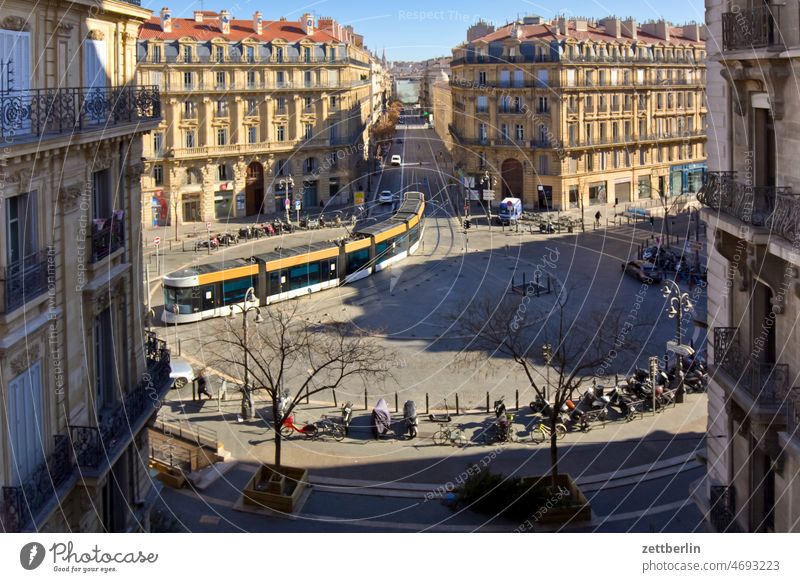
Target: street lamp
[[488, 182], [547, 354], [679, 303], [287, 184], [247, 397]]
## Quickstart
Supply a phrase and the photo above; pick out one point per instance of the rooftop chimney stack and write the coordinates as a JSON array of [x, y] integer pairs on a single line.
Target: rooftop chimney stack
[[629, 28], [308, 23], [659, 29], [166, 20], [581, 25], [198, 16], [225, 21], [693, 31], [258, 22], [612, 26]]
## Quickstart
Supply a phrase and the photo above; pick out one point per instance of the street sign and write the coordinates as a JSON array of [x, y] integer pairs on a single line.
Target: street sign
[[358, 198], [287, 203], [680, 349], [488, 194], [157, 241], [695, 245], [297, 204]]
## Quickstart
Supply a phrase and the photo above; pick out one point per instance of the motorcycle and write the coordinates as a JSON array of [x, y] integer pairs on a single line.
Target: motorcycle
[[381, 419], [347, 416], [499, 407], [410, 416], [228, 239]]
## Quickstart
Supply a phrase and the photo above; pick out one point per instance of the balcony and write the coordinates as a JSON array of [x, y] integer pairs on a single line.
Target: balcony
[[108, 235], [772, 207], [35, 114], [96, 445], [23, 280], [765, 383], [22, 504], [752, 28]]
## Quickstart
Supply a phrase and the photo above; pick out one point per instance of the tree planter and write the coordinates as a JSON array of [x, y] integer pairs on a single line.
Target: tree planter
[[278, 489], [559, 507]]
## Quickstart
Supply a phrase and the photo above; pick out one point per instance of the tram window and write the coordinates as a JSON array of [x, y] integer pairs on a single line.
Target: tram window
[[276, 281], [356, 260], [313, 273], [209, 294], [330, 269], [298, 277], [234, 290], [187, 299], [413, 234], [380, 251]]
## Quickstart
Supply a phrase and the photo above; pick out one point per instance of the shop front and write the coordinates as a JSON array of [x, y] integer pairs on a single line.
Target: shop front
[[687, 178]]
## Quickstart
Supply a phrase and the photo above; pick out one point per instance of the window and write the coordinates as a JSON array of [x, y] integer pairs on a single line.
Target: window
[[589, 162], [252, 134], [597, 193], [542, 79], [158, 174], [188, 138], [518, 79], [219, 53], [189, 110], [505, 78], [251, 79], [308, 79], [519, 132], [157, 79], [589, 104], [158, 143], [309, 165], [543, 134], [221, 109], [222, 136], [307, 54], [220, 79], [187, 54], [308, 103], [102, 196], [188, 79], [281, 133], [543, 165], [644, 187], [482, 104], [193, 176], [504, 132], [280, 79], [481, 77], [280, 105], [222, 172], [21, 227], [25, 423], [544, 105], [603, 160], [483, 132], [252, 107], [334, 102], [642, 156], [572, 165], [309, 130], [155, 53]]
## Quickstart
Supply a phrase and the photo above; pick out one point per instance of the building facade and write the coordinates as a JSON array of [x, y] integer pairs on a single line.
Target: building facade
[[79, 375], [247, 105], [753, 217], [573, 113]]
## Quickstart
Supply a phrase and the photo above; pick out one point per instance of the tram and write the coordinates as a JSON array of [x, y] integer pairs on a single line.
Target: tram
[[210, 290]]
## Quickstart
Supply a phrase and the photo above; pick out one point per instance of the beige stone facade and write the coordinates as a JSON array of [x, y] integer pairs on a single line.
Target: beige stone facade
[[753, 216], [78, 377], [248, 104], [574, 113]]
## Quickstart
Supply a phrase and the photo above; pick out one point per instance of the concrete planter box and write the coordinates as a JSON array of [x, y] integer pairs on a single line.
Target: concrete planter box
[[278, 489], [577, 507]]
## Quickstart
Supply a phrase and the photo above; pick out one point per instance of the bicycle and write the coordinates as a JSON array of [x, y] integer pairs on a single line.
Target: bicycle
[[541, 432], [328, 427], [450, 435]]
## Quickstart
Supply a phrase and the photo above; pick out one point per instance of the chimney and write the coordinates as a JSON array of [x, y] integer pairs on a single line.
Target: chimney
[[659, 29], [561, 26], [612, 26], [258, 22], [225, 21], [198, 16], [308, 23], [166, 20], [693, 32], [581, 25], [629, 28]]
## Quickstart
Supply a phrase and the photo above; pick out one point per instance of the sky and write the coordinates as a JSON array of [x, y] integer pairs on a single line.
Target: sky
[[420, 29]]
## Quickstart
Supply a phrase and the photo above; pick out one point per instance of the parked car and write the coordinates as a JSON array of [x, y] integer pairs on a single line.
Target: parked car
[[396, 161], [181, 372], [643, 271], [385, 197]]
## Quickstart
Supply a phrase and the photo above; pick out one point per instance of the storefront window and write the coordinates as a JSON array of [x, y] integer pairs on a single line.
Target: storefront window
[[223, 205], [191, 209]]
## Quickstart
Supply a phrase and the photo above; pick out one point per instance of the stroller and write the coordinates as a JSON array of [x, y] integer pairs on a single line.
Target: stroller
[[381, 419]]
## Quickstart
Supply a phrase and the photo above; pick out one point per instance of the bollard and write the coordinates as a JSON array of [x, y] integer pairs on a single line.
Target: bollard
[[488, 410], [335, 404], [194, 389], [523, 280], [179, 346], [395, 403], [516, 400], [457, 408], [307, 398], [427, 403], [366, 406]]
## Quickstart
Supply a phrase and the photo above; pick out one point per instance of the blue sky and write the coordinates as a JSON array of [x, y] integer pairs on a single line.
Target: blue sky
[[418, 29]]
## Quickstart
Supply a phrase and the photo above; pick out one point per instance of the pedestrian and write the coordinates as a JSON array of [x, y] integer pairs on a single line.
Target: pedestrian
[[597, 218], [202, 385]]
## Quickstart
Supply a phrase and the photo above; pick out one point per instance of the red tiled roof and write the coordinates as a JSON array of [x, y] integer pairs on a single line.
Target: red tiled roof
[[596, 33], [290, 31]]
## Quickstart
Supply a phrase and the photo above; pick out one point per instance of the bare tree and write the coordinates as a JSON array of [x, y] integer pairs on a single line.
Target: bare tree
[[285, 354], [517, 327]]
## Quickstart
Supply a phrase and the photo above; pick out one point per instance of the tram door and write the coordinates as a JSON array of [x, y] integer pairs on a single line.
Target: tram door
[[209, 297]]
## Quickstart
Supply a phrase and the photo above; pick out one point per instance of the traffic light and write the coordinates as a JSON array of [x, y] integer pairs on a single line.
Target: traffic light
[[466, 224]]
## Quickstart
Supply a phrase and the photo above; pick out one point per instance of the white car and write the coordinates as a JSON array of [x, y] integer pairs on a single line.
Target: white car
[[396, 160], [181, 372], [385, 197]]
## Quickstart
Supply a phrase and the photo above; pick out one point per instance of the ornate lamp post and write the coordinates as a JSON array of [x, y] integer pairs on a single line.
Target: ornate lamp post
[[488, 182], [287, 184], [679, 303], [547, 354], [247, 396]]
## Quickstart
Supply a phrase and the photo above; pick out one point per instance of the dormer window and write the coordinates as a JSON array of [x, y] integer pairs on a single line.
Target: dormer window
[[307, 54], [279, 54], [155, 53], [187, 54], [219, 53], [250, 54]]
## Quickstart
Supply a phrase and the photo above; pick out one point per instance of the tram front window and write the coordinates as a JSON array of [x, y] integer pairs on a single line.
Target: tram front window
[[184, 297]]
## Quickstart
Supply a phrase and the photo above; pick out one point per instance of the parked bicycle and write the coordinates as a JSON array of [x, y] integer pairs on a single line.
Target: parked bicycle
[[452, 435], [323, 427], [541, 432]]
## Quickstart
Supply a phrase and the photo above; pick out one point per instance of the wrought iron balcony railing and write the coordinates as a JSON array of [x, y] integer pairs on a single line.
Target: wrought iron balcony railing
[[774, 207], [23, 280], [766, 382], [22, 503], [751, 28], [37, 113], [94, 444], [108, 235]]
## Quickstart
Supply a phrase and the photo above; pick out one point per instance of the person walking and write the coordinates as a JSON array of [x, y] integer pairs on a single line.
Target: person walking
[[597, 218], [202, 385]]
